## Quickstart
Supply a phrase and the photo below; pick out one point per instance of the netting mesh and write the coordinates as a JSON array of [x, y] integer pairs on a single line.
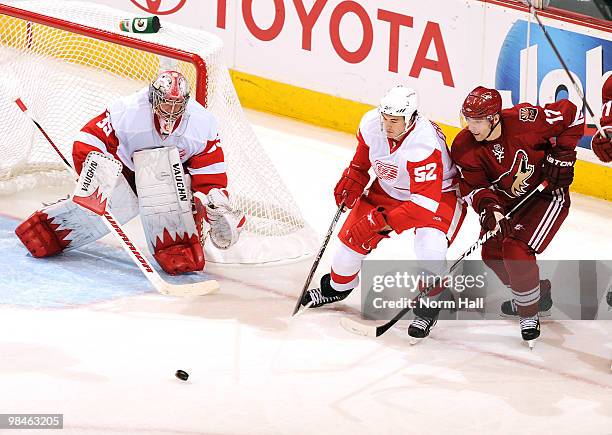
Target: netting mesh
[[66, 78]]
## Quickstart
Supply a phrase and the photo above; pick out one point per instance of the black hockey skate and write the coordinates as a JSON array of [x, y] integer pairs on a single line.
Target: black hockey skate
[[508, 308], [424, 320], [530, 329], [324, 295], [609, 298]]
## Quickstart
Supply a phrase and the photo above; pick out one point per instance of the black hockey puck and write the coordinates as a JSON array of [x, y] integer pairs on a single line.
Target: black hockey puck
[[182, 375]]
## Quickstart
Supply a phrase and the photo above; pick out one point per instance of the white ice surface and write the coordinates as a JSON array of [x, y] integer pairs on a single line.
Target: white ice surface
[[109, 367]]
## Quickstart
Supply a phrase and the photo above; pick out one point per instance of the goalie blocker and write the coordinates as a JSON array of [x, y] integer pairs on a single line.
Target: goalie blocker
[[164, 202]]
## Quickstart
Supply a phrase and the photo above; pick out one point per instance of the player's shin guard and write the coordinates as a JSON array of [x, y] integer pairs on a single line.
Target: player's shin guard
[[524, 273]]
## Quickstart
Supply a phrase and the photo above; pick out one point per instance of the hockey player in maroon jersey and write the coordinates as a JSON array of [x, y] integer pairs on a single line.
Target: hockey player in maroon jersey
[[415, 188], [156, 134], [602, 146], [502, 155]]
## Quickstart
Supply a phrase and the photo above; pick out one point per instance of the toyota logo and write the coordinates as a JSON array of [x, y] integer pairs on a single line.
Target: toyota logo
[[154, 6]]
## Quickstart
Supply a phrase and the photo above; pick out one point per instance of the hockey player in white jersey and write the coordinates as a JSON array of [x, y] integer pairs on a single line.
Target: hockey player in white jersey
[[169, 149], [414, 188]]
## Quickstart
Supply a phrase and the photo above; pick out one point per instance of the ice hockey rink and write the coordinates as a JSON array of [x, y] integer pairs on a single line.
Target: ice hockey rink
[[85, 335]]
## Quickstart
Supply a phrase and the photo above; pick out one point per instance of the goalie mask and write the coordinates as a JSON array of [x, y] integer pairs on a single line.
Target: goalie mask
[[168, 95]]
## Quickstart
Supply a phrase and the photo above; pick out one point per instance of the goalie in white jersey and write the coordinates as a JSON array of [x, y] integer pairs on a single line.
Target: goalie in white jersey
[[156, 134], [415, 187]]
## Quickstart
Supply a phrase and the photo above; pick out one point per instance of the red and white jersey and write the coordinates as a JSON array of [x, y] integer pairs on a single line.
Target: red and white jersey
[[128, 125], [416, 169]]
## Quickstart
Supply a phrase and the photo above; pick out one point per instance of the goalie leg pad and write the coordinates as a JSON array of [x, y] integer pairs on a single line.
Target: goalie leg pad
[[164, 198], [64, 226]]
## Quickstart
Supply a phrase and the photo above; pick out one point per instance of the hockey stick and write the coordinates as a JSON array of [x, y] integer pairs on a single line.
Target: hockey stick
[[163, 287], [532, 10], [376, 331], [330, 231]]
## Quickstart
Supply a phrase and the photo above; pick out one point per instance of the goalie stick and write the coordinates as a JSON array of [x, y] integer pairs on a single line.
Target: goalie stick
[[376, 331], [315, 264], [163, 287]]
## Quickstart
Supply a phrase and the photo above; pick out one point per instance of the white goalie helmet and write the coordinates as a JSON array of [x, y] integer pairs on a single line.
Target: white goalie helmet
[[168, 95], [399, 101]]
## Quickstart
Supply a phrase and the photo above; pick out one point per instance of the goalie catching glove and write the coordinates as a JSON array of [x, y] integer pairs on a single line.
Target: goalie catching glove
[[225, 222]]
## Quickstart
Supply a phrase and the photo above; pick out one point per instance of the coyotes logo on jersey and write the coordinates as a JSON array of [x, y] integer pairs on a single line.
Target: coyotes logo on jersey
[[385, 171], [514, 182]]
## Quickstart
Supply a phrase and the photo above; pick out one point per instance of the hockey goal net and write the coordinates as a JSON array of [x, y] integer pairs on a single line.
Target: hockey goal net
[[68, 60]]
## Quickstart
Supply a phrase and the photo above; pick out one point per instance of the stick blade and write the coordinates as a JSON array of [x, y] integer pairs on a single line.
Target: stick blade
[[188, 290], [358, 328]]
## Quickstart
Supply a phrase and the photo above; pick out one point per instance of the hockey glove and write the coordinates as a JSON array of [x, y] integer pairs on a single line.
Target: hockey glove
[[367, 229], [558, 168], [352, 184], [225, 222], [492, 218], [602, 146]]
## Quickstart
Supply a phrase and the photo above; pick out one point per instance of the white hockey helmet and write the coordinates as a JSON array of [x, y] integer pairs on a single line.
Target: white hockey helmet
[[168, 95], [399, 101]]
